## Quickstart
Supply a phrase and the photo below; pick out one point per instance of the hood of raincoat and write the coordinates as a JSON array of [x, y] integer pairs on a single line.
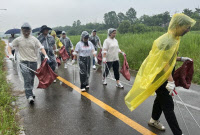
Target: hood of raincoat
[[158, 65], [53, 33], [110, 31], [84, 34], [57, 40], [25, 25], [179, 20]]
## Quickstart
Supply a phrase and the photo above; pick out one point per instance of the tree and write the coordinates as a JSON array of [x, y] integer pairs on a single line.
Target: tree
[[166, 18], [131, 15], [121, 17], [74, 24], [188, 12], [124, 26], [78, 23], [197, 10], [111, 19], [156, 20]]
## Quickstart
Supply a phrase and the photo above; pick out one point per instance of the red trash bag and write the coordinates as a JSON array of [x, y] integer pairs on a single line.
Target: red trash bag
[[125, 69], [45, 75], [72, 56], [63, 53], [99, 57], [58, 61], [183, 75]]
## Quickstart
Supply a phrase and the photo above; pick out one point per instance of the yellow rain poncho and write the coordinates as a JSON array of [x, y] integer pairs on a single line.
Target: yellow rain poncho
[[158, 65], [57, 40]]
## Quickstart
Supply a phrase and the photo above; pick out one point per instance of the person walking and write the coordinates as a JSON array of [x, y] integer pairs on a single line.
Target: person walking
[[27, 46], [67, 43], [111, 56], [49, 45], [96, 42], [85, 49], [156, 74]]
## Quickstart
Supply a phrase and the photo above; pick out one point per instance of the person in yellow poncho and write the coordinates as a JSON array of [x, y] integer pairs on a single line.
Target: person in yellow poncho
[[155, 74], [57, 42]]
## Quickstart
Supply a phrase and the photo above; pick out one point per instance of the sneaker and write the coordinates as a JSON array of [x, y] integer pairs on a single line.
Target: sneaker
[[156, 124], [119, 85], [61, 83], [94, 67], [33, 96], [87, 87], [83, 90], [65, 65], [104, 82], [54, 81], [31, 100]]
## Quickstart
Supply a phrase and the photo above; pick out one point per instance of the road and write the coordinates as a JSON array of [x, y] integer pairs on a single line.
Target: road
[[62, 109]]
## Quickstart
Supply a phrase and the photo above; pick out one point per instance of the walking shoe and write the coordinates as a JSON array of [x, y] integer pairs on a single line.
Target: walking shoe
[[94, 67], [61, 83], [65, 65], [33, 96], [83, 90], [54, 81], [156, 124], [31, 100], [87, 87], [104, 81], [119, 85]]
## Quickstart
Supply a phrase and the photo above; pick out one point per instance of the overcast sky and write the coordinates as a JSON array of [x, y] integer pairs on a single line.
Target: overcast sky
[[64, 12]]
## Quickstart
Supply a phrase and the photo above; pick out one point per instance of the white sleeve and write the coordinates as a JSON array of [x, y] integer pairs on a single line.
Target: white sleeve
[[105, 45], [77, 47], [15, 43]]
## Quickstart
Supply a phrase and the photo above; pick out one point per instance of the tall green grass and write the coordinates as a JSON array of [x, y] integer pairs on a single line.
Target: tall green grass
[[8, 124], [137, 47]]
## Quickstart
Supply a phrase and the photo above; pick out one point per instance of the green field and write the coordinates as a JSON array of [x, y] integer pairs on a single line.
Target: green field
[[137, 47], [8, 124]]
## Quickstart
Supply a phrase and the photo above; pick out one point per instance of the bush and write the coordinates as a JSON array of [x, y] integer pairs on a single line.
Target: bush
[[124, 27], [139, 28]]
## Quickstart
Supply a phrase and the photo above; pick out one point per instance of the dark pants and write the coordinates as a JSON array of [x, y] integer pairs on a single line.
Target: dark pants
[[164, 103], [84, 64], [115, 66], [28, 76], [93, 57], [13, 52]]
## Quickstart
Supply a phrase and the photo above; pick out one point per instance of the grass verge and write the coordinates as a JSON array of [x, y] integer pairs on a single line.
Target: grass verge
[[8, 119], [138, 46]]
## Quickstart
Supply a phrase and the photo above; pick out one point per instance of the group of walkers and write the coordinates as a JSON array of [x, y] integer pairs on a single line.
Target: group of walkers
[[155, 74], [50, 44]]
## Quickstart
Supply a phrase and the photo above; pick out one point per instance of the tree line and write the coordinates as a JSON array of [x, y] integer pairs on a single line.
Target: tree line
[[129, 23]]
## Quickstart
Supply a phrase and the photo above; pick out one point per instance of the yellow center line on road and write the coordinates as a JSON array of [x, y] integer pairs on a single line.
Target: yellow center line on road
[[111, 110]]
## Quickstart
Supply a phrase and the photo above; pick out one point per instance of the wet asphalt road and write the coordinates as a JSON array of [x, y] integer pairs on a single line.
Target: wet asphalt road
[[60, 110]]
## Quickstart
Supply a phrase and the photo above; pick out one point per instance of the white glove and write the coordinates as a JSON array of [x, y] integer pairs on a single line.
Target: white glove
[[11, 57], [123, 53], [72, 48], [74, 53], [95, 58], [183, 59], [170, 87], [104, 60], [57, 50], [73, 61], [46, 57], [56, 56]]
